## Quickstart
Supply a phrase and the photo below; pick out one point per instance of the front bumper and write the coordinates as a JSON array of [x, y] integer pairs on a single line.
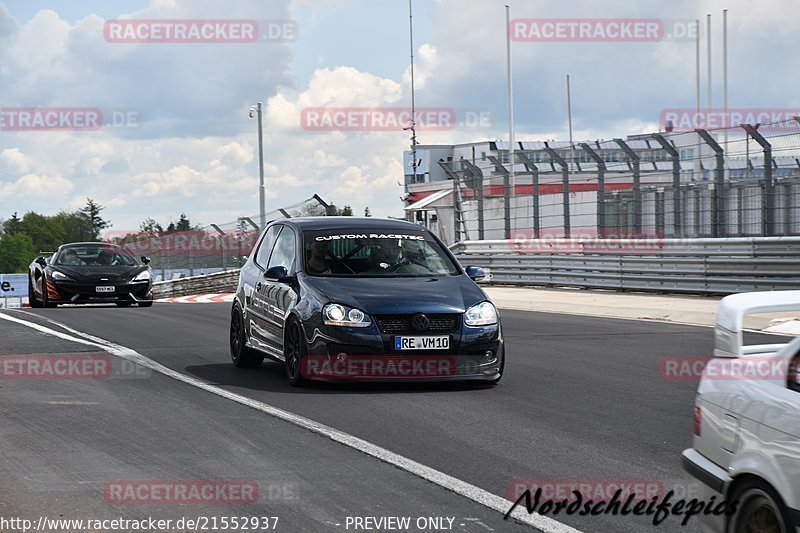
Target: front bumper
[[369, 354], [709, 481], [80, 293], [704, 470]]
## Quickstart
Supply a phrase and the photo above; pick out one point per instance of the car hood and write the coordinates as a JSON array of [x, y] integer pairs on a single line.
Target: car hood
[[101, 273], [447, 294]]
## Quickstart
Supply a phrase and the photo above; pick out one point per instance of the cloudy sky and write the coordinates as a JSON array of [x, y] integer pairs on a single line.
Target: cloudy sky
[[183, 141]]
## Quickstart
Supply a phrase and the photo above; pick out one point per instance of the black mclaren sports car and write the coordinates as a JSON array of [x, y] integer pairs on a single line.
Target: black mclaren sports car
[[90, 272]]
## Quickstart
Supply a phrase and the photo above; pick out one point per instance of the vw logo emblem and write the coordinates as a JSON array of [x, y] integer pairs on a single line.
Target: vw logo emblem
[[420, 322]]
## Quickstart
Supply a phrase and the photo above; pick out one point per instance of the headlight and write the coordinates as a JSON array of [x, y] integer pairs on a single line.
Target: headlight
[[55, 275], [142, 276], [340, 315], [482, 314]]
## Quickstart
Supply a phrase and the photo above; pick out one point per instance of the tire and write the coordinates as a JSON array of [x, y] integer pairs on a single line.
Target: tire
[[241, 355], [45, 301], [759, 510], [32, 299], [295, 352], [148, 303]]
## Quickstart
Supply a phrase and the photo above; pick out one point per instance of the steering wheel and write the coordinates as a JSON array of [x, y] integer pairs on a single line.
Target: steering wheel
[[403, 263], [340, 261]]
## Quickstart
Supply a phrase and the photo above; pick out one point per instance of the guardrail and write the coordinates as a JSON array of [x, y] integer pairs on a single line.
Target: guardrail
[[211, 283], [705, 266], [701, 266]]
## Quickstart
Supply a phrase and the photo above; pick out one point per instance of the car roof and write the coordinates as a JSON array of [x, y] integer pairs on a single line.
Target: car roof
[[78, 244], [354, 223], [106, 245], [729, 324]]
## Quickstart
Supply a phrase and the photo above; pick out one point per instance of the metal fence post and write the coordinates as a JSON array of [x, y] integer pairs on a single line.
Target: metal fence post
[[676, 183], [459, 225], [506, 195], [477, 180], [719, 221], [601, 189], [564, 186], [768, 205], [531, 167], [637, 185]]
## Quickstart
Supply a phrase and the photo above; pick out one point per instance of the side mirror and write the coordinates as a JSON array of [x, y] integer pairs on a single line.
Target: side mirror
[[475, 273], [145, 260], [279, 274], [40, 261]]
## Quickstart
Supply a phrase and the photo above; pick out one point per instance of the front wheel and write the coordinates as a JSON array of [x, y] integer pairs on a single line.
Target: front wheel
[[148, 303], [241, 355], [295, 352], [32, 299], [759, 510]]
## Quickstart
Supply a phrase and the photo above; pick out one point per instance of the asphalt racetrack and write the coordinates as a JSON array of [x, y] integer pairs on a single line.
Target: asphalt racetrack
[[583, 399]]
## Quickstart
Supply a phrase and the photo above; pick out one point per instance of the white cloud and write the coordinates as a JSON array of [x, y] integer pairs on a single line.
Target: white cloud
[[36, 186], [13, 161], [426, 63], [195, 149]]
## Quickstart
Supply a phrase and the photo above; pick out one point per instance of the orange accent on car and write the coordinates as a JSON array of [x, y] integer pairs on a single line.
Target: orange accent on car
[[52, 293]]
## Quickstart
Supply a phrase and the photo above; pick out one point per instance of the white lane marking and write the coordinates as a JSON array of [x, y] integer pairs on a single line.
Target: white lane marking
[[224, 297], [790, 327], [453, 484]]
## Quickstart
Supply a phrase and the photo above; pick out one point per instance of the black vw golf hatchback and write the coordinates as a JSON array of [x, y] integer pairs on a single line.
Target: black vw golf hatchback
[[345, 298]]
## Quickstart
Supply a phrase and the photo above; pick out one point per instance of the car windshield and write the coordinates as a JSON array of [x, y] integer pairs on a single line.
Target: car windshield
[[94, 255], [375, 254]]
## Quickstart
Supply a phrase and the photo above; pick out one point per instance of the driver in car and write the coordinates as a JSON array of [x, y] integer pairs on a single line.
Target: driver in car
[[105, 257], [390, 255]]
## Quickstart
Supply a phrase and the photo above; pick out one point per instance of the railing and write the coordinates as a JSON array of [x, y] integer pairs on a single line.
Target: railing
[[701, 266], [706, 266], [219, 282]]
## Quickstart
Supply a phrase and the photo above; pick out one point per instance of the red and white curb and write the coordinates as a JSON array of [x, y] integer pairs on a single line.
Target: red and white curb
[[198, 299]]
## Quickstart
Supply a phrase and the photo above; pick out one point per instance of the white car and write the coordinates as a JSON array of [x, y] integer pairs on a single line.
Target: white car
[[746, 445]]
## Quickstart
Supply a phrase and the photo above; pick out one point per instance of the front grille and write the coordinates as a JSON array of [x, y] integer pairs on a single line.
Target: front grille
[[440, 323]]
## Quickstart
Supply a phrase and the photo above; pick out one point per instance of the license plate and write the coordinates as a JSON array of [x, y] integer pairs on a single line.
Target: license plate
[[105, 289], [441, 342]]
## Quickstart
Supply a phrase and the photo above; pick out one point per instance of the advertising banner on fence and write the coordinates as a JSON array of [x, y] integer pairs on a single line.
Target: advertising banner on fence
[[13, 285], [13, 290]]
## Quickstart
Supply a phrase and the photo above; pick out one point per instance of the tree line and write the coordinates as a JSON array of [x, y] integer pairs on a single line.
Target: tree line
[[23, 239]]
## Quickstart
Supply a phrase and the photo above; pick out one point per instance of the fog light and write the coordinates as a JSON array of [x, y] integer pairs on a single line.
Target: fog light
[[341, 356], [489, 354]]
